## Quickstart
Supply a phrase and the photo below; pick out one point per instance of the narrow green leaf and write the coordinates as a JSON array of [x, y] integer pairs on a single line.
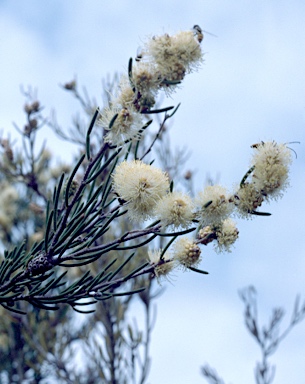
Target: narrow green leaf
[[107, 182], [130, 72], [97, 164], [123, 265], [95, 280], [54, 193], [80, 311], [58, 279], [135, 271], [39, 304], [35, 291], [93, 199], [82, 280], [93, 120], [137, 245], [57, 192], [246, 176], [171, 82], [167, 246], [92, 187], [68, 185], [137, 149], [47, 232], [112, 121], [129, 292], [198, 270], [207, 204], [104, 166], [77, 211], [84, 304], [110, 203], [102, 296], [105, 195], [72, 228], [174, 111], [158, 110], [13, 309], [35, 248], [257, 213], [100, 231], [47, 211], [5, 265], [128, 151], [105, 278], [176, 233]]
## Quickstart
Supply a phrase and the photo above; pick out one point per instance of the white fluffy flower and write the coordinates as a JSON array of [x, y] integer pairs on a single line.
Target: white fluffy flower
[[141, 185], [186, 253], [227, 234], [247, 199], [175, 209], [174, 56], [146, 78], [125, 95], [181, 48], [161, 268], [213, 205], [8, 206], [271, 161], [126, 126]]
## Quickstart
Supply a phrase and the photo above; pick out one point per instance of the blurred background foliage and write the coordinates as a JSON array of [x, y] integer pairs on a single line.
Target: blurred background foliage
[[47, 346]]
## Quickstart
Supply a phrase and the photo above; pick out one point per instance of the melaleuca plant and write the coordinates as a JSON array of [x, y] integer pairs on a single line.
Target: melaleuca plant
[[268, 337], [115, 181]]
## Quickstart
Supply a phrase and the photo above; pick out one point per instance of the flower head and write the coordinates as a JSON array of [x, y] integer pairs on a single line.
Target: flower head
[[174, 56], [162, 267], [141, 185], [271, 167], [8, 207], [186, 253], [206, 235], [227, 234], [183, 48], [247, 199], [146, 78], [125, 94], [213, 205], [126, 126], [146, 81], [175, 209]]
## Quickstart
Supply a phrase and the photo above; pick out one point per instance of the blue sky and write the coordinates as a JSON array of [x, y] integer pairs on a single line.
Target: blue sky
[[251, 87]]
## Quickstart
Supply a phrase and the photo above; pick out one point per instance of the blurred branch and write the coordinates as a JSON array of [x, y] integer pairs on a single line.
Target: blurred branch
[[211, 375]]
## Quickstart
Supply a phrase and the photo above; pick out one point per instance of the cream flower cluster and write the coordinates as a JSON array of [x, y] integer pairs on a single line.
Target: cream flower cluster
[[185, 254], [247, 199], [8, 207], [213, 205], [269, 177], [146, 190], [175, 209], [162, 267], [174, 56], [162, 65], [141, 186], [271, 163], [126, 124], [226, 234]]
